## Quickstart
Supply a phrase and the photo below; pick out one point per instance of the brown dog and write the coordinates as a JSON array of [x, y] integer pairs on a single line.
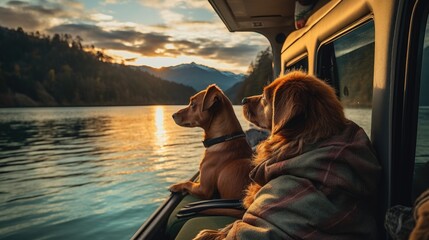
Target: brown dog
[[299, 110], [303, 114], [226, 163]]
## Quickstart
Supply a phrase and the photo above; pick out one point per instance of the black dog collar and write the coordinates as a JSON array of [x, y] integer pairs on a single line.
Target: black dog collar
[[212, 141]]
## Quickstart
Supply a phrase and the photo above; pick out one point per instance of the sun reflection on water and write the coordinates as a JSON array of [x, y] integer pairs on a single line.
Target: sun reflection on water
[[160, 133], [119, 161]]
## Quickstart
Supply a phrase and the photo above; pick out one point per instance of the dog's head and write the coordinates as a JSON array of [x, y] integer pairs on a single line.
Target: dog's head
[[296, 105], [200, 109]]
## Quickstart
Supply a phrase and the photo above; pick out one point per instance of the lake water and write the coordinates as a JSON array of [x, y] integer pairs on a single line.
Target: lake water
[[93, 172], [90, 173]]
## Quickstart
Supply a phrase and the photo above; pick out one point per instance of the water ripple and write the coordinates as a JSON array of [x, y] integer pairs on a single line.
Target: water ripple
[[100, 170]]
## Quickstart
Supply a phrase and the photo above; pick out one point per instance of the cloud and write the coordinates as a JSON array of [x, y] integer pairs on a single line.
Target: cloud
[[26, 20], [163, 4], [113, 2], [129, 40], [110, 2], [177, 12], [114, 25], [130, 59], [72, 4], [240, 53], [196, 33], [101, 17], [153, 44], [40, 15], [171, 16], [63, 8], [40, 10]]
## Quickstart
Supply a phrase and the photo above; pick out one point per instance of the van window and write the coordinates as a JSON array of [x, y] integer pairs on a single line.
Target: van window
[[301, 64], [347, 63], [421, 167]]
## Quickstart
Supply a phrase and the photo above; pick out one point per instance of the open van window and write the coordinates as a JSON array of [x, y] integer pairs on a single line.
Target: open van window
[[347, 63]]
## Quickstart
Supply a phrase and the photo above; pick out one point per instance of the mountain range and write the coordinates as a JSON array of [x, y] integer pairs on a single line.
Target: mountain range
[[195, 75]]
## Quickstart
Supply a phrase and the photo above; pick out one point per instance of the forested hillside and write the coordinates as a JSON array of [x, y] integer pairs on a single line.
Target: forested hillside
[[260, 74], [40, 70]]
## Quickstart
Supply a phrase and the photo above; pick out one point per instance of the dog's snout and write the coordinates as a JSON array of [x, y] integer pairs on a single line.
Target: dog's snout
[[174, 115], [245, 100]]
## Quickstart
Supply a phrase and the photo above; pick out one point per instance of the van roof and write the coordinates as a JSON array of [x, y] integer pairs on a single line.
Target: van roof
[[253, 15], [274, 19]]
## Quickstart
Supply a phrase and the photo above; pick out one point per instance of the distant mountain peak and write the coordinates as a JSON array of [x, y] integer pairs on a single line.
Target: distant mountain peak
[[196, 75], [191, 65]]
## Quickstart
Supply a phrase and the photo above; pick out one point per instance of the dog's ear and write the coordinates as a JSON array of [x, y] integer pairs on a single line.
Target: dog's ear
[[212, 97], [289, 105]]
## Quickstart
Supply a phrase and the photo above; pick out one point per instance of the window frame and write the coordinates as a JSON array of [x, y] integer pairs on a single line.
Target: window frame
[[406, 102], [337, 35], [321, 50], [326, 52]]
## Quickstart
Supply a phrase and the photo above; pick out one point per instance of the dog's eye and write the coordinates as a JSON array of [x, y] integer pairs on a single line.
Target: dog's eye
[[192, 105]]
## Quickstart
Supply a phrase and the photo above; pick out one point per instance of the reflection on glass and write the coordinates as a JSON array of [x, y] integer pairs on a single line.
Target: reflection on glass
[[302, 65], [354, 56]]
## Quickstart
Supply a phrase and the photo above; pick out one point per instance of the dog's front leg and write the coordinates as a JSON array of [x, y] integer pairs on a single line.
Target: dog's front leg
[[181, 187], [196, 189]]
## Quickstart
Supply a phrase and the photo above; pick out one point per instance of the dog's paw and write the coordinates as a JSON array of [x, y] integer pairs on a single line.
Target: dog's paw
[[176, 187], [210, 235]]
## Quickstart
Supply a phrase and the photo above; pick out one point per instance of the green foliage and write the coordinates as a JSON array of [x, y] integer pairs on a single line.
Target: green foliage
[[260, 74], [37, 70]]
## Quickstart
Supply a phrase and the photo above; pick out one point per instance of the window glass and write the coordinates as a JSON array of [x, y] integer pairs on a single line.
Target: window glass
[[302, 65], [347, 64], [421, 168]]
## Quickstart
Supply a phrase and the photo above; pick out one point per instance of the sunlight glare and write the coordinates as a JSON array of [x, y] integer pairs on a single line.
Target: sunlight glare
[[136, 59], [160, 134]]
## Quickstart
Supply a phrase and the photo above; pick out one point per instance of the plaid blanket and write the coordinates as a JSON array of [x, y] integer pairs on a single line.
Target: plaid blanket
[[327, 192]]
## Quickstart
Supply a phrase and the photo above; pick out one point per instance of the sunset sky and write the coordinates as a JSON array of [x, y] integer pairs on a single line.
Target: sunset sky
[[141, 32]]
